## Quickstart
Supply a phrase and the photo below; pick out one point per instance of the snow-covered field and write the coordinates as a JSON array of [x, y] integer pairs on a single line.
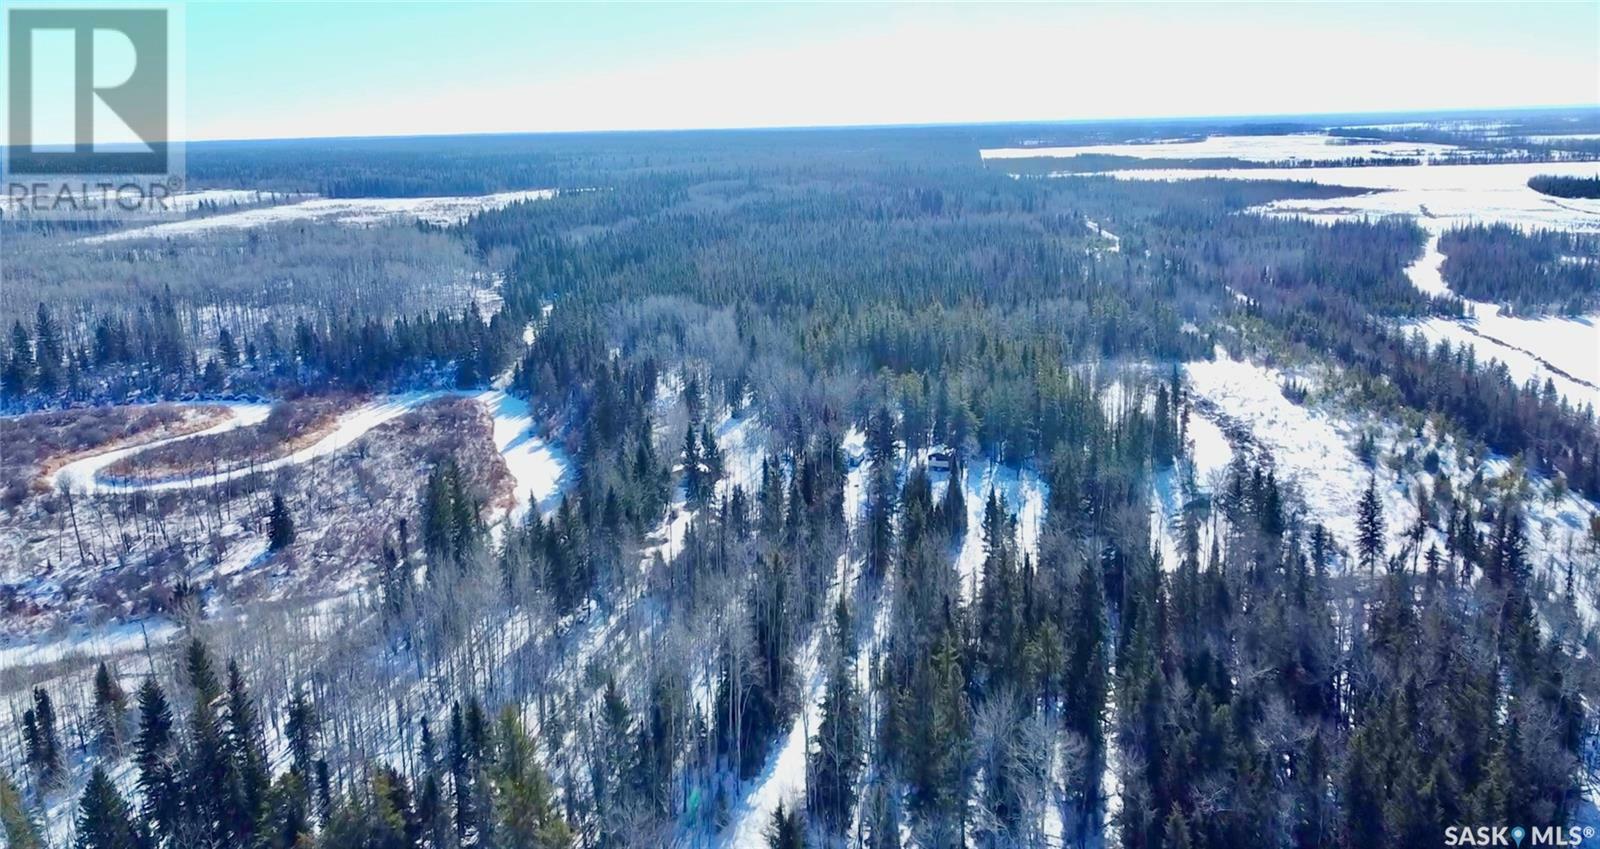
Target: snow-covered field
[[1439, 195], [1317, 147], [351, 212], [1562, 350], [1565, 350]]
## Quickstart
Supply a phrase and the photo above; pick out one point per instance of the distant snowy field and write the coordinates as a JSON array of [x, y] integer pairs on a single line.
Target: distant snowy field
[[1440, 195], [1275, 148], [1564, 350], [351, 212]]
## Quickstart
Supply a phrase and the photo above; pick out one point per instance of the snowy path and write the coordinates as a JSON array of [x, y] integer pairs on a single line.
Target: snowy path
[[82, 475], [85, 474], [537, 467]]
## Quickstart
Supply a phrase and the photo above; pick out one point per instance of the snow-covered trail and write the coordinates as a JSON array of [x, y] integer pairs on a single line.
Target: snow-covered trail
[[1562, 350], [82, 475], [537, 467]]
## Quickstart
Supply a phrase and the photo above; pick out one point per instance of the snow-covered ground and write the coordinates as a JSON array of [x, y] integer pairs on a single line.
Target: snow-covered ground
[[1313, 445], [1308, 445], [1563, 349], [353, 212], [538, 467], [1022, 491], [1440, 195], [1318, 147]]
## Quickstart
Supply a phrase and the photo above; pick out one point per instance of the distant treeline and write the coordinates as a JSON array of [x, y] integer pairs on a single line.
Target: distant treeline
[[1566, 187]]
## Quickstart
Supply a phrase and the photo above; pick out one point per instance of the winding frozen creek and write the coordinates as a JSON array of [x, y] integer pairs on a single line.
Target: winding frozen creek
[[536, 466]]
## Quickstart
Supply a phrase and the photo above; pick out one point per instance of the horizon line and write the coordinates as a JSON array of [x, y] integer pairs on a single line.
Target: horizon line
[[1152, 119]]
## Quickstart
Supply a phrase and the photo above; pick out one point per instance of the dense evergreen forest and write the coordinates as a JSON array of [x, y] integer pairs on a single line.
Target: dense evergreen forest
[[613, 672], [1539, 271]]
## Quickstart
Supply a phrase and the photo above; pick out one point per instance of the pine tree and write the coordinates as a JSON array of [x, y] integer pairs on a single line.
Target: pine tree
[[110, 708], [525, 813], [154, 757], [247, 753], [302, 727], [1369, 527], [42, 743], [47, 353], [836, 762], [280, 525], [18, 826], [1086, 682], [786, 830], [227, 348], [104, 819], [17, 376]]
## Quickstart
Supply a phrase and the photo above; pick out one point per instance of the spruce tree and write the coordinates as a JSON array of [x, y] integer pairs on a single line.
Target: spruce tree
[[110, 708], [280, 525], [155, 759], [18, 826], [836, 761], [1369, 527], [41, 740], [786, 831], [104, 819], [525, 813]]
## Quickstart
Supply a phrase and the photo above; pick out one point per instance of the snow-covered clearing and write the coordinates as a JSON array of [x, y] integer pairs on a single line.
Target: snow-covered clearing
[[1312, 446], [1317, 147], [1022, 491], [352, 212], [1307, 445], [1562, 350]]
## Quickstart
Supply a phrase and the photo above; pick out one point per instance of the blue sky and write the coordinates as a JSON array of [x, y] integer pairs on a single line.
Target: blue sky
[[289, 69]]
